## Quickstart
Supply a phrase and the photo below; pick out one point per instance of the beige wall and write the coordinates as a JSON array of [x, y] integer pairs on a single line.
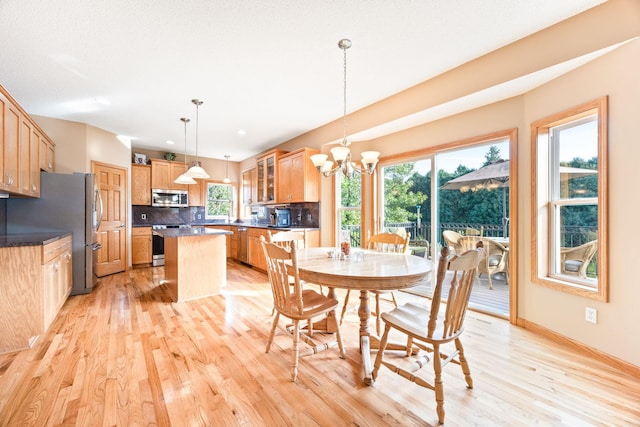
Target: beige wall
[[614, 74]]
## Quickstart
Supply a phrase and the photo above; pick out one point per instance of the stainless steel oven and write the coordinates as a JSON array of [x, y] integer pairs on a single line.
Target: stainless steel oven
[[157, 258]]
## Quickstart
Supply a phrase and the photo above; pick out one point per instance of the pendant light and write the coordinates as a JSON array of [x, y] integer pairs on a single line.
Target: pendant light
[[342, 153], [226, 176], [184, 179], [196, 170]]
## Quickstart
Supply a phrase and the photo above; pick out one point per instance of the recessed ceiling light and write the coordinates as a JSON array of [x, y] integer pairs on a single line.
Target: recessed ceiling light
[[102, 101], [170, 142], [242, 132]]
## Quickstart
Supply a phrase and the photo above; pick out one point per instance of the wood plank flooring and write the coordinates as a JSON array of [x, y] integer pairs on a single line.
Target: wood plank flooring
[[126, 356]]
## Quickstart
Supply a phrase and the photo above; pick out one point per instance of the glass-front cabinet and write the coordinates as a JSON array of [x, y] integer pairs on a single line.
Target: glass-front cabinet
[[267, 171]]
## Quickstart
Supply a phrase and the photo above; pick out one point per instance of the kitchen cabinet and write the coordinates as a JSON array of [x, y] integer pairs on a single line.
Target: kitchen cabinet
[[141, 185], [267, 172], [256, 255], [28, 162], [141, 245], [298, 180], [57, 279], [21, 150], [9, 145], [47, 154], [249, 187], [163, 173], [197, 192]]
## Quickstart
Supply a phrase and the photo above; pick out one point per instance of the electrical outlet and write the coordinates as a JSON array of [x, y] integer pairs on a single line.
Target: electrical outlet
[[143, 216], [199, 216], [591, 315]]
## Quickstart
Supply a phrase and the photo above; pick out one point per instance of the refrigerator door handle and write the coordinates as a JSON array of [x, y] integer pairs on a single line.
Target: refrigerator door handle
[[99, 208]]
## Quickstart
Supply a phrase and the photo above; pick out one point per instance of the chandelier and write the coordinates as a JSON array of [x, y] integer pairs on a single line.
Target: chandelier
[[342, 154], [184, 179], [196, 170]]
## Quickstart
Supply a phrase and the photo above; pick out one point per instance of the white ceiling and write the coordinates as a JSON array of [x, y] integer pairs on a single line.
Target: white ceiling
[[270, 68]]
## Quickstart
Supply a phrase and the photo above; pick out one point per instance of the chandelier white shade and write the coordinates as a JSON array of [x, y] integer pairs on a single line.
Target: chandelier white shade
[[342, 154], [196, 170], [184, 179]]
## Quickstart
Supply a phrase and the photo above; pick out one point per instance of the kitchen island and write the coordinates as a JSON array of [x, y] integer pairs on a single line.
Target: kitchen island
[[195, 261]]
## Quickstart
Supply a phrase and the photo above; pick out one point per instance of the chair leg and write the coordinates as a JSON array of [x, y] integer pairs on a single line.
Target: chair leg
[[378, 318], [339, 336], [489, 279], [383, 346], [463, 363], [273, 331], [437, 383], [344, 307], [295, 351]]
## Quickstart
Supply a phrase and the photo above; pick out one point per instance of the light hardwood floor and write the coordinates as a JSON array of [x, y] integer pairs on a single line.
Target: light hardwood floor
[[123, 355]]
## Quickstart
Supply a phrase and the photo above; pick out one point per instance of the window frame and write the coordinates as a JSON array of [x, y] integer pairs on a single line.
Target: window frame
[[231, 201], [544, 205]]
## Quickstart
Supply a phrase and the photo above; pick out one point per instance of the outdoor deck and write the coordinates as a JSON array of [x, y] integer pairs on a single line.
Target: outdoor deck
[[494, 301]]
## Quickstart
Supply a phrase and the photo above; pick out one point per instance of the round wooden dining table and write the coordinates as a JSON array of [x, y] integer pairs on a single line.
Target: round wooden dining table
[[375, 271]]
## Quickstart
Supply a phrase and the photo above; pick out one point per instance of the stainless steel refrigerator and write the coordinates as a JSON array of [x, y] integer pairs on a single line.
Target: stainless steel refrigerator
[[68, 202]]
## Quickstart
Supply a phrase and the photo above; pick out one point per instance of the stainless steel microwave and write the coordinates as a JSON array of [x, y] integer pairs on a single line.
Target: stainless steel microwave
[[169, 198]]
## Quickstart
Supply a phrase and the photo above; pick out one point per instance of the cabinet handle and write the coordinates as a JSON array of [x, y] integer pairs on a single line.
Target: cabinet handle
[[49, 166]]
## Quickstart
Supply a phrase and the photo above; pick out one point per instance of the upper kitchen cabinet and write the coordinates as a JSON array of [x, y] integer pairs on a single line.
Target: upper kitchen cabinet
[[29, 165], [249, 187], [163, 173], [267, 175], [141, 185], [298, 179], [197, 192], [47, 151], [20, 140], [10, 119]]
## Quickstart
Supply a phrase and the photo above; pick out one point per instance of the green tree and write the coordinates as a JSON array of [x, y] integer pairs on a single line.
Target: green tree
[[400, 194]]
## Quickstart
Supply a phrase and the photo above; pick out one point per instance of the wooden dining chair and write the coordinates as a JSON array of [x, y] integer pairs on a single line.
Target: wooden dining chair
[[296, 303], [428, 329], [382, 242], [287, 238]]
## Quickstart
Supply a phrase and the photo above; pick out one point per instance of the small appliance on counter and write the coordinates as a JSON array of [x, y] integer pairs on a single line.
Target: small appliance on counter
[[281, 218]]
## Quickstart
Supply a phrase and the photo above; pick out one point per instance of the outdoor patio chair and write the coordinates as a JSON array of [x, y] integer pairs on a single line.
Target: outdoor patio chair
[[574, 261], [495, 260], [474, 231], [451, 238], [428, 329]]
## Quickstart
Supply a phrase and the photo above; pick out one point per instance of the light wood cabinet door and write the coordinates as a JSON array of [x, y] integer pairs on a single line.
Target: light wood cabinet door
[[11, 118], [298, 180], [249, 190], [34, 162], [175, 170], [160, 174], [197, 193], [141, 245], [267, 177], [164, 172], [256, 255], [141, 185], [47, 152]]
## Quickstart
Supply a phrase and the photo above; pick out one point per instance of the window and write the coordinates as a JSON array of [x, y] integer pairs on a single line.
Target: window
[[349, 213], [219, 201], [569, 155], [405, 201]]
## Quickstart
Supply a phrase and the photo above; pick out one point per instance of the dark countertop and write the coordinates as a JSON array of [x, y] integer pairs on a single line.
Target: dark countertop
[[187, 232], [31, 239]]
